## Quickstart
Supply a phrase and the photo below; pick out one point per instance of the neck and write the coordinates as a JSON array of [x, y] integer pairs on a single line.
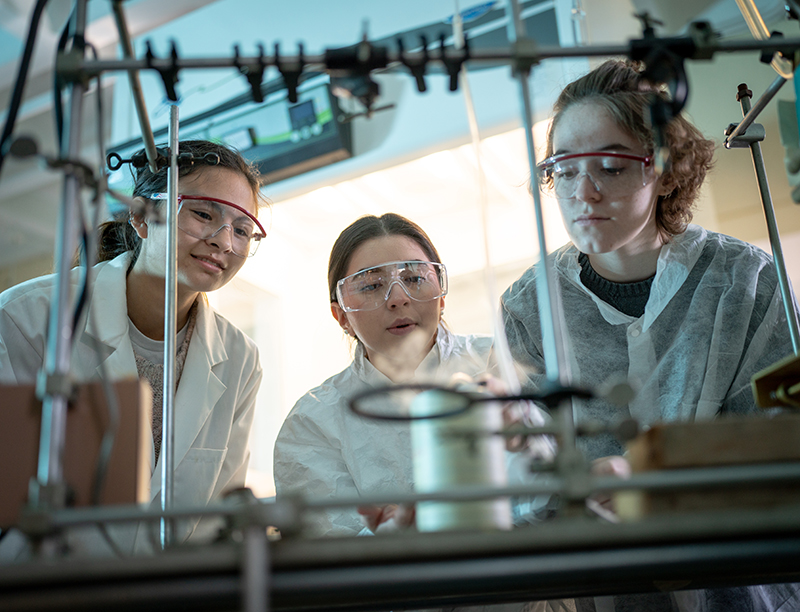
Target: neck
[[398, 370], [622, 266], [145, 299], [621, 269]]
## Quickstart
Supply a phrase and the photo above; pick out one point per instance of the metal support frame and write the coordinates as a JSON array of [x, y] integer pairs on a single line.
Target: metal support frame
[[136, 87], [170, 325], [255, 568], [54, 386], [754, 142]]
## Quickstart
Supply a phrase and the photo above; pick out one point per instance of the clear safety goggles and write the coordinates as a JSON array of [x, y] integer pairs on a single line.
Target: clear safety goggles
[[369, 289], [612, 174], [203, 217]]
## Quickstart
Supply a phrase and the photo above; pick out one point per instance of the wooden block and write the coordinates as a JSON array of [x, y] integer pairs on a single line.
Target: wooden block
[[128, 477], [724, 441]]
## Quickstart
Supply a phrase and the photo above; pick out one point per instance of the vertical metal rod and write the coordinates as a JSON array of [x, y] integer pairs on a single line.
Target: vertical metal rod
[[256, 569], [556, 368], [555, 364], [170, 325], [774, 237], [136, 87], [59, 336]]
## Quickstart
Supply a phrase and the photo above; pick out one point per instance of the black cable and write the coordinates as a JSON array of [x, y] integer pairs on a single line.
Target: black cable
[[22, 75], [58, 110], [110, 434]]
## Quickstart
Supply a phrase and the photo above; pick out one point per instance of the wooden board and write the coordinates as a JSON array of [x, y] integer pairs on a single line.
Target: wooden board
[[128, 476], [723, 442]]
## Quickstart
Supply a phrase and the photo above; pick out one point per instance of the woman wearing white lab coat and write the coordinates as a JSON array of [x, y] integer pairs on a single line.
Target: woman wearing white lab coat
[[217, 366], [684, 314], [324, 450]]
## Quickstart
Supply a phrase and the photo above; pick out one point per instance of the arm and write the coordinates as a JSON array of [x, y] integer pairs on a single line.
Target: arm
[[768, 342], [21, 345], [310, 463]]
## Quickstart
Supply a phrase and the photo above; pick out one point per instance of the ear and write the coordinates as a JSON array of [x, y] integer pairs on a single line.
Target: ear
[[137, 219], [341, 318], [441, 307], [666, 184]]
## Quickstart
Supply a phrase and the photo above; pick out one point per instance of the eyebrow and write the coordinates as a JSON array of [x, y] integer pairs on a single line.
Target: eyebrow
[[611, 147], [389, 262], [220, 208]]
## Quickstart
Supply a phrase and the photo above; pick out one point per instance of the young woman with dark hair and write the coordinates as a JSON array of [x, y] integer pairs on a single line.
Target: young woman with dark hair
[[387, 290], [217, 366]]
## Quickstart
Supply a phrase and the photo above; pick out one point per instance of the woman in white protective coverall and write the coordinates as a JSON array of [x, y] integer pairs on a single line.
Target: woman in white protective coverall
[[324, 450], [217, 366], [686, 315]]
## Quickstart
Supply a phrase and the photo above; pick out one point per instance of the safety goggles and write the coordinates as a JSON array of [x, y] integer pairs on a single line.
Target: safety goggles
[[369, 289], [203, 217], [612, 174]]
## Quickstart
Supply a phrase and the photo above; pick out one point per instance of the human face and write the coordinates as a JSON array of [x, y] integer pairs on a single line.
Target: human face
[[595, 222], [398, 334], [203, 264]]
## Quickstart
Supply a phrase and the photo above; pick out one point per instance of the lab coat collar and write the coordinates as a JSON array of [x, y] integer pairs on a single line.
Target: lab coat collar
[[675, 261]]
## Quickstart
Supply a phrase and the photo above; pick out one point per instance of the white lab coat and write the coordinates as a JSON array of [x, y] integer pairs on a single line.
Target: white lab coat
[[324, 450], [714, 317], [215, 399]]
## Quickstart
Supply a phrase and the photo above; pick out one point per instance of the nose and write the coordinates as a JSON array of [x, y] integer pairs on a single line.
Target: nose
[[586, 188], [222, 239], [398, 297]]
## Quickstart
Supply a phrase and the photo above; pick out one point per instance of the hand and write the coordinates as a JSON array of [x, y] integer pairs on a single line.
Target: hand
[[614, 465], [520, 413], [397, 515]]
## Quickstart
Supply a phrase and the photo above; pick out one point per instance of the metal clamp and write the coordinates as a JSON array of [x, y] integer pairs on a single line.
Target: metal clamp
[[417, 67], [169, 75]]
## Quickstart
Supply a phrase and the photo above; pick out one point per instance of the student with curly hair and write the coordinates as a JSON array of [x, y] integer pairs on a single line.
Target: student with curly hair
[[685, 314]]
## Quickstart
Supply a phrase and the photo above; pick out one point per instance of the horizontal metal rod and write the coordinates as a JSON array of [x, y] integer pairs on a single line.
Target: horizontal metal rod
[[526, 54], [281, 512], [667, 480], [560, 559]]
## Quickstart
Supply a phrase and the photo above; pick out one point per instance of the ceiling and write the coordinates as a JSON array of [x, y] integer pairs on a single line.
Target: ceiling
[[420, 125]]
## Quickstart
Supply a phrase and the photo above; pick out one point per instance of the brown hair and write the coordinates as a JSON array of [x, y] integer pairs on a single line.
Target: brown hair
[[367, 228], [619, 87], [117, 236]]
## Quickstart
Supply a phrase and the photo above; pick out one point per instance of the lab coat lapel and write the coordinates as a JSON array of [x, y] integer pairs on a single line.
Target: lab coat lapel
[[200, 388], [105, 331]]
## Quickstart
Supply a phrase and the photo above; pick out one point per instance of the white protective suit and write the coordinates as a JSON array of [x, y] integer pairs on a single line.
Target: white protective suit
[[324, 450], [714, 317], [214, 402]]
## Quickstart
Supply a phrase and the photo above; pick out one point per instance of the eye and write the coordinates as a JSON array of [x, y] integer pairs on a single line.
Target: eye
[[367, 284], [369, 287], [243, 232], [613, 170], [564, 173], [201, 214]]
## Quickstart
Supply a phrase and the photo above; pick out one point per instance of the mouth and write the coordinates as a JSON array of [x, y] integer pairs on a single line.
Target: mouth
[[401, 326], [590, 219], [209, 262]]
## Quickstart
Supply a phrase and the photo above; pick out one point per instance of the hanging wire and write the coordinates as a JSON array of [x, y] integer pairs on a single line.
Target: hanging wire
[[22, 75]]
